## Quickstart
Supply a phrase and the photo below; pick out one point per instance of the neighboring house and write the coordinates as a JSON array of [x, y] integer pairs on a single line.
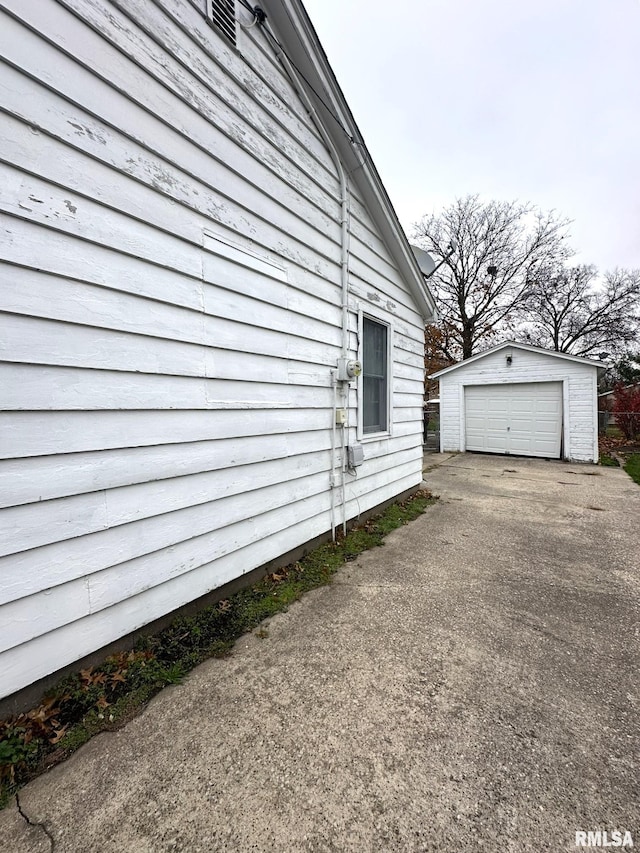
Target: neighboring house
[[606, 416], [195, 245], [522, 400]]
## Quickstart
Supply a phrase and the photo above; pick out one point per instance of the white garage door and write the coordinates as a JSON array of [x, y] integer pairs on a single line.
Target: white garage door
[[520, 418]]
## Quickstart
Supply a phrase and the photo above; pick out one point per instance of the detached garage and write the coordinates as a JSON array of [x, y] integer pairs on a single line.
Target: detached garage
[[521, 400]]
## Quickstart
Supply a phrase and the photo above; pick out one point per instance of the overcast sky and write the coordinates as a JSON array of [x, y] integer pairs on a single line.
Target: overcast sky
[[536, 100]]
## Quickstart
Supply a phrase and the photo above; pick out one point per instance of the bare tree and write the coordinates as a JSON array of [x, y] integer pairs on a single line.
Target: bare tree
[[572, 310], [498, 247]]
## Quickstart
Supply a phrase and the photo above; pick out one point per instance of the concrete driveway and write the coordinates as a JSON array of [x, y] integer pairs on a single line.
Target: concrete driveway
[[472, 685]]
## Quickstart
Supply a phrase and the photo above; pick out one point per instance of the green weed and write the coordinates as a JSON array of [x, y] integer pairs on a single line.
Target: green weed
[[608, 461]]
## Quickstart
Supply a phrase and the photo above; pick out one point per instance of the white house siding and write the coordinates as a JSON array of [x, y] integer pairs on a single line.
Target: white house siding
[[171, 314], [580, 436]]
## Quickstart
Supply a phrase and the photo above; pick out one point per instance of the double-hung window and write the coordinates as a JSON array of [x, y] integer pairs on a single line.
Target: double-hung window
[[375, 376]]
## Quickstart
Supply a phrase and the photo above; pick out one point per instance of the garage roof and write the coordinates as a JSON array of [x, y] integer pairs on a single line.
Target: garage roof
[[520, 346]]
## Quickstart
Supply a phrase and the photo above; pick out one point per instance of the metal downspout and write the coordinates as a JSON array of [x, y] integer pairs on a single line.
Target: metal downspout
[[344, 275]]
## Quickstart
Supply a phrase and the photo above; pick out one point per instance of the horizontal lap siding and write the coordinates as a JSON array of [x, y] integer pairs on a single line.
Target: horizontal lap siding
[[96, 630], [583, 423], [149, 311], [24, 434], [82, 472], [171, 305]]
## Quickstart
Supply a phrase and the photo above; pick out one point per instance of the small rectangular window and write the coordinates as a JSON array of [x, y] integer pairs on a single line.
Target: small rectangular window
[[222, 15], [375, 376]]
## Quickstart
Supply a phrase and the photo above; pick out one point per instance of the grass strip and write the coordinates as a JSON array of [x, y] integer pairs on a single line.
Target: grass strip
[[105, 697], [608, 461], [632, 467]]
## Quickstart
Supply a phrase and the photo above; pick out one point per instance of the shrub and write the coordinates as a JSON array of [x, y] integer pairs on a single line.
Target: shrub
[[627, 410]]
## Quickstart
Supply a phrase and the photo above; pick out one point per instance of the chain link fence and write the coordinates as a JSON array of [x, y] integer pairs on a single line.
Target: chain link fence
[[627, 422], [431, 425]]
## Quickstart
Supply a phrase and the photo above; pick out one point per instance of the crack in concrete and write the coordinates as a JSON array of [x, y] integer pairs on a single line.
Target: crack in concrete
[[42, 826]]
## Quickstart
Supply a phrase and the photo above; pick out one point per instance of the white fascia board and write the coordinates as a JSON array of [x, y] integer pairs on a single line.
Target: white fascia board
[[516, 345]]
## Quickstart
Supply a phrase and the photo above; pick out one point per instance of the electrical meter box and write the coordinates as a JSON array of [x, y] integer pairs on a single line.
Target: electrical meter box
[[348, 369]]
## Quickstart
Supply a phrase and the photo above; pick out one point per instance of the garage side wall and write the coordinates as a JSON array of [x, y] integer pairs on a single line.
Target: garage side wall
[[580, 429]]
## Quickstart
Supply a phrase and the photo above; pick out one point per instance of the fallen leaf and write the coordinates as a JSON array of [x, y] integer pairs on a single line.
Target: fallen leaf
[[60, 733], [43, 713]]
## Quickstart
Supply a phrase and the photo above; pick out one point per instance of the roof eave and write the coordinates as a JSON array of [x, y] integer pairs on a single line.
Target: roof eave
[[290, 19], [528, 347]]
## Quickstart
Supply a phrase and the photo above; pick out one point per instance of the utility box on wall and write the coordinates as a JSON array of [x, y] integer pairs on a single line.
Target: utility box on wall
[[355, 455]]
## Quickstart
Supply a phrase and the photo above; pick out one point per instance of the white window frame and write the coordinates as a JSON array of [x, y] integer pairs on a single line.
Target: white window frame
[[383, 320]]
